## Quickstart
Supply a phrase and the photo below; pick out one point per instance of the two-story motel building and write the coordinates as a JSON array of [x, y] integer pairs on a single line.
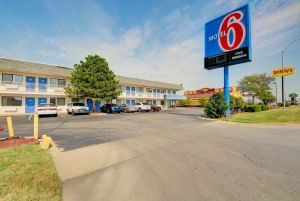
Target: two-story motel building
[[25, 84]]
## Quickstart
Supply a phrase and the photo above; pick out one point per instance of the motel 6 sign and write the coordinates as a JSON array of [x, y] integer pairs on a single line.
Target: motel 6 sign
[[227, 39]]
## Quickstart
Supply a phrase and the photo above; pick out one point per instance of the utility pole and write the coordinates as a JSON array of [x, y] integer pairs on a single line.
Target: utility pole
[[282, 77]]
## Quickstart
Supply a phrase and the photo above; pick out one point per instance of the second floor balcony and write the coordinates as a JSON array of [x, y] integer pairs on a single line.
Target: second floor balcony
[[25, 87], [141, 95]]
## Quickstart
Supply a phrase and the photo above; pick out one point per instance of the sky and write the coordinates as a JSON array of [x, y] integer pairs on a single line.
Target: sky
[[159, 40]]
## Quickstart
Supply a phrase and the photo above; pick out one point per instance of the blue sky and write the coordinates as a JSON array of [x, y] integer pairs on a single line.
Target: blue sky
[[158, 40]]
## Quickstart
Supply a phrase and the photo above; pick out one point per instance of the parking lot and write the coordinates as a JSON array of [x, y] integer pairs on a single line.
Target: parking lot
[[71, 132], [171, 155]]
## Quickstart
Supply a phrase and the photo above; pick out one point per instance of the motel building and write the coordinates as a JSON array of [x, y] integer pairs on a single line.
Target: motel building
[[25, 84]]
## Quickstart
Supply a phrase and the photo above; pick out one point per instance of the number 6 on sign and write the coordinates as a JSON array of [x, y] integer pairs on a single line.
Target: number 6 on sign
[[232, 26]]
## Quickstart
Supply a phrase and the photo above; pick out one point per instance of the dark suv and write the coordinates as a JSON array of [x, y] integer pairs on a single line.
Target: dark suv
[[111, 108]]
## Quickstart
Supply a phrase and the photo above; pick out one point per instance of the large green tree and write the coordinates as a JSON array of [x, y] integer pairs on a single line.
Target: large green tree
[[93, 79], [258, 85]]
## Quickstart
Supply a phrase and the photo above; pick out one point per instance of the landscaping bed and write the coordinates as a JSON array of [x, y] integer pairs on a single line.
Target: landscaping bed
[[27, 172], [7, 142]]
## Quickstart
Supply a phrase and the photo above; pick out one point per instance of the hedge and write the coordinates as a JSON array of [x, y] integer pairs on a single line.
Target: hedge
[[253, 108]]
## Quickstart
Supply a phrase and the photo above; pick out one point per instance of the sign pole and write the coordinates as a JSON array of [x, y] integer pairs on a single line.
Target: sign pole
[[282, 82], [226, 90]]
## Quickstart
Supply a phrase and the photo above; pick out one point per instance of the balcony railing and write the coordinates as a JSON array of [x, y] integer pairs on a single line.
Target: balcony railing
[[141, 95], [30, 87]]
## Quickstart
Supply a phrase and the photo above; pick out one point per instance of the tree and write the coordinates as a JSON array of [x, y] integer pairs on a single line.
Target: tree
[[257, 85], [216, 106], [92, 78], [202, 100], [266, 96]]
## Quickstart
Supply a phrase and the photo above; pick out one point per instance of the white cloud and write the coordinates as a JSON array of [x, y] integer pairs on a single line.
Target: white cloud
[[273, 24], [170, 49]]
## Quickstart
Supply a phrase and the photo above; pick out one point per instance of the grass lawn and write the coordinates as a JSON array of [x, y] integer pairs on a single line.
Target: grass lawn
[[289, 115], [27, 173]]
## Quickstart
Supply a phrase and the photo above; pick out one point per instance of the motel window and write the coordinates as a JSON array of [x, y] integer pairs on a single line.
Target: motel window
[[163, 91], [53, 82], [148, 90], [139, 89], [57, 82], [122, 88], [11, 101], [61, 82], [127, 88], [12, 79], [18, 79], [53, 101], [174, 92], [75, 100], [61, 101], [7, 78]]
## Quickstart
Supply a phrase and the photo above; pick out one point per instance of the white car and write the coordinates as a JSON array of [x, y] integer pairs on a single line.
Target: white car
[[46, 109], [75, 108], [142, 107]]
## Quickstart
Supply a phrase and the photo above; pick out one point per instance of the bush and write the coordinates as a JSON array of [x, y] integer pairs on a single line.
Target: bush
[[216, 106], [264, 107], [286, 104], [253, 108], [185, 102]]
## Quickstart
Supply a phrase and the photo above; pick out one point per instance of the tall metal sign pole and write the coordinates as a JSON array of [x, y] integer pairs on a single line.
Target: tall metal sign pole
[[228, 42]]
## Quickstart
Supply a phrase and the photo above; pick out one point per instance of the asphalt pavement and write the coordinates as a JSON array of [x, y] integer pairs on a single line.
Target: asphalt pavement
[[173, 156]]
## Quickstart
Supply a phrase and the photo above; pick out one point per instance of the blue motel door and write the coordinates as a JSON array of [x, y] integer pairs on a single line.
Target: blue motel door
[[90, 104], [30, 83], [42, 100], [42, 84], [29, 105], [98, 105]]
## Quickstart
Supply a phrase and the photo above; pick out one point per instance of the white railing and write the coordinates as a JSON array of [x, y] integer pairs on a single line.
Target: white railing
[[142, 95], [30, 87]]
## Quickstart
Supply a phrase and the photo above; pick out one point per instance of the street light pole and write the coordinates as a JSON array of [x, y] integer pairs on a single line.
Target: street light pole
[[282, 77]]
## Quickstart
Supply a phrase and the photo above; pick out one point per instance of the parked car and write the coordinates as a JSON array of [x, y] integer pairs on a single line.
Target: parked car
[[155, 108], [76, 108], [47, 109], [111, 108], [127, 108], [142, 107]]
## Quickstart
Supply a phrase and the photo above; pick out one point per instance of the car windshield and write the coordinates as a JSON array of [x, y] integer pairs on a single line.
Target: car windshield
[[145, 104], [46, 105], [114, 105], [78, 104]]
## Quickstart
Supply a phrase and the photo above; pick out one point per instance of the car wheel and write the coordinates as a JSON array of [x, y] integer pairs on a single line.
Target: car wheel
[[73, 113]]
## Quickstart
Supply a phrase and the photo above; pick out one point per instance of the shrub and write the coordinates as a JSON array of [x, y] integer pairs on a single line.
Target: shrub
[[281, 105], [216, 106], [232, 103], [253, 108], [264, 107], [185, 102]]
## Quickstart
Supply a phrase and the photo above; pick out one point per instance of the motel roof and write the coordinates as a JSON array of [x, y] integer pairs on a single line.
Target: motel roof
[[20, 66]]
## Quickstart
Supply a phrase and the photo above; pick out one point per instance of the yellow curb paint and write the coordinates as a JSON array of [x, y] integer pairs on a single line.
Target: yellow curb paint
[[10, 127], [36, 126]]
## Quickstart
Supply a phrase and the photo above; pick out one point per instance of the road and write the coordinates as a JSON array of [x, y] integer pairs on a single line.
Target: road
[[174, 156]]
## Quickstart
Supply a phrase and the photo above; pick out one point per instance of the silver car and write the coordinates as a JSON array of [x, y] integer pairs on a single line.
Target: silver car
[[76, 108]]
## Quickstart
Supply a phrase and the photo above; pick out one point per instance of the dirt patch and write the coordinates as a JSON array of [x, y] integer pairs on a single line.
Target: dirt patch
[[4, 143]]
